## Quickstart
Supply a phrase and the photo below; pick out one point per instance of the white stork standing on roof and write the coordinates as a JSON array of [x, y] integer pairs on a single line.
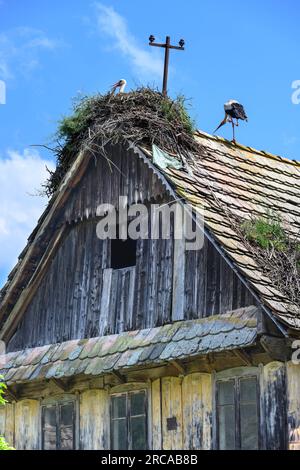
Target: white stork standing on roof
[[233, 110], [121, 84]]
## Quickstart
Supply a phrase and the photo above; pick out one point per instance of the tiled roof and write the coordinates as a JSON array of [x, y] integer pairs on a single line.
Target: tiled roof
[[102, 355], [248, 183]]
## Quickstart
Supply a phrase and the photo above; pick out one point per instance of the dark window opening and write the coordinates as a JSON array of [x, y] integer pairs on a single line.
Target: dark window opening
[[237, 414], [129, 421], [123, 252], [58, 426]]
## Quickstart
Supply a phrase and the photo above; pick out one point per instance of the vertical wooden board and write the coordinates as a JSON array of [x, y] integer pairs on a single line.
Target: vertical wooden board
[[293, 390], [2, 420], [172, 410], [94, 420], [274, 406], [156, 415], [178, 280], [7, 423], [197, 411], [27, 425]]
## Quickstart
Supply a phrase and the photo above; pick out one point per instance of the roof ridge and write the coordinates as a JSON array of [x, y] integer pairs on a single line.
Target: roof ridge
[[249, 149]]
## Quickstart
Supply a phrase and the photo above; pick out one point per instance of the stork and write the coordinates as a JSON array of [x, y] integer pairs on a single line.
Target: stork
[[121, 84], [233, 110]]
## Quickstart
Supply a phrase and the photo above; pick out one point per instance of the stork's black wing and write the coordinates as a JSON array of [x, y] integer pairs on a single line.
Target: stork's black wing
[[239, 112]]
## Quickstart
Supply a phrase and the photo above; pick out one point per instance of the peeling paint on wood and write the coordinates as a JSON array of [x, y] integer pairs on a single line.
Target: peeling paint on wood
[[274, 406], [94, 420], [27, 425], [197, 411], [7, 422], [172, 408], [156, 415], [293, 385]]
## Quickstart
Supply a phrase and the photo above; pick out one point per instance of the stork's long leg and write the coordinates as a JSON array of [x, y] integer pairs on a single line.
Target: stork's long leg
[[237, 122], [233, 138]]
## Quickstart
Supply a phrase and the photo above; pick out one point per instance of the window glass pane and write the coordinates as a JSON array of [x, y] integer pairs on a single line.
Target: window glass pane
[[119, 407], [226, 393], [249, 413], [66, 426], [138, 433], [119, 434], [226, 427], [249, 427], [66, 437], [248, 390], [66, 414], [137, 404], [226, 414], [49, 428]]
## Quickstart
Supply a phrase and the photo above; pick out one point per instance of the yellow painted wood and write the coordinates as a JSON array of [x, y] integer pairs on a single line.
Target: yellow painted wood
[[94, 420], [197, 411], [293, 386], [156, 415], [27, 425], [7, 423], [172, 408]]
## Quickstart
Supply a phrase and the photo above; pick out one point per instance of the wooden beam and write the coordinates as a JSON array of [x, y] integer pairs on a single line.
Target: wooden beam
[[276, 347], [243, 356], [178, 367], [62, 385], [121, 378], [11, 394]]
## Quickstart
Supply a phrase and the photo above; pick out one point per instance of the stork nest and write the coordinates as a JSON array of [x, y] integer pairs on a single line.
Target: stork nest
[[143, 117]]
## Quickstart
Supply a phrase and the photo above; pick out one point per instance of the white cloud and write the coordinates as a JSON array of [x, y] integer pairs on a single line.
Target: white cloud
[[20, 50], [146, 63], [21, 176]]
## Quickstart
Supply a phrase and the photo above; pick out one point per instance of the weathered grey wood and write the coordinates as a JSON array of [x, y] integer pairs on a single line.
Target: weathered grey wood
[[80, 296]]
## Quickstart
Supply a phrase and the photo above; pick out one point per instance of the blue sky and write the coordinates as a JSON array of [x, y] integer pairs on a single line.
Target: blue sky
[[51, 51]]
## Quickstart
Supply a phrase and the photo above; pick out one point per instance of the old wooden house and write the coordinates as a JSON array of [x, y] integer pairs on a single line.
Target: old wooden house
[[141, 344]]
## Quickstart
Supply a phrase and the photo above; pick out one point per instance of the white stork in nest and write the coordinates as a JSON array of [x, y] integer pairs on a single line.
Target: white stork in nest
[[233, 110], [121, 84]]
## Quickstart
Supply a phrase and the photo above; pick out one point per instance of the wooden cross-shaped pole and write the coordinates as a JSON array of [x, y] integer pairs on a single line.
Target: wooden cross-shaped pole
[[167, 46]]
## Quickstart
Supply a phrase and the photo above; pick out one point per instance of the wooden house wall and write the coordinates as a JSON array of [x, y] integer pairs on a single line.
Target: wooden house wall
[[189, 399], [80, 296], [293, 384]]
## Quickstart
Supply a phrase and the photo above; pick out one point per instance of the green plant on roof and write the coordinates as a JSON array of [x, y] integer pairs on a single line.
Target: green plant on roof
[[3, 444], [275, 250], [267, 232]]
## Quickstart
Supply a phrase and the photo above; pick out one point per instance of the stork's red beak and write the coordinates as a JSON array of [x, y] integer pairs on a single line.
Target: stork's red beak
[[116, 85]]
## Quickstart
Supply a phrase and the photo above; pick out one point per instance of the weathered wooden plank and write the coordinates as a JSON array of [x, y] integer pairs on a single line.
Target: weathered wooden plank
[[156, 424], [7, 423], [178, 302], [27, 424], [197, 411], [274, 406], [172, 413], [293, 392], [94, 420]]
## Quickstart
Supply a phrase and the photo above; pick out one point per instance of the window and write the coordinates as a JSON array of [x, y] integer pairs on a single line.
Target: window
[[237, 413], [123, 252], [58, 422], [129, 421]]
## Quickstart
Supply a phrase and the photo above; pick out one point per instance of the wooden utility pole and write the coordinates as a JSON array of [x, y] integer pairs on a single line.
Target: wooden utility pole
[[167, 46]]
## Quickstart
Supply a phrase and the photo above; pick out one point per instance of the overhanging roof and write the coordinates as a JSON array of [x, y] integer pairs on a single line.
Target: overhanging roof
[[149, 347]]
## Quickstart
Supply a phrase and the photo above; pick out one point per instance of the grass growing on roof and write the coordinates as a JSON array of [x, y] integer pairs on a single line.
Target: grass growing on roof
[[143, 116], [275, 251]]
